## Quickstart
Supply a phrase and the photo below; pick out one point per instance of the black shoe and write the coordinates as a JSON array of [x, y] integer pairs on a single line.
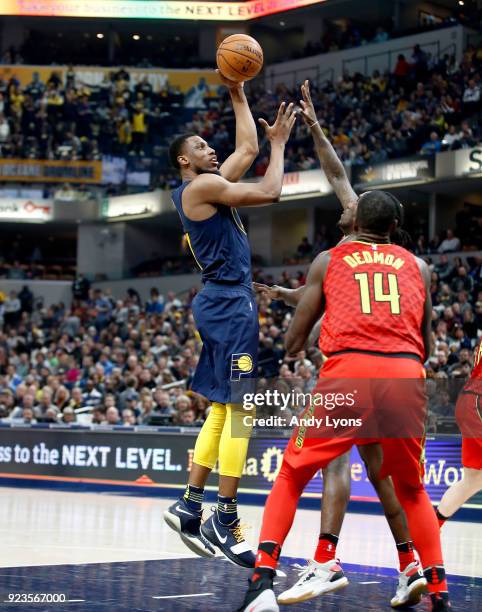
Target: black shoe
[[187, 523], [440, 602], [229, 539], [260, 596]]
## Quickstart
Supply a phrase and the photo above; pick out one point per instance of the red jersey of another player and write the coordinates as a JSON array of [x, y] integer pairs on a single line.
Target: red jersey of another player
[[374, 300], [474, 383]]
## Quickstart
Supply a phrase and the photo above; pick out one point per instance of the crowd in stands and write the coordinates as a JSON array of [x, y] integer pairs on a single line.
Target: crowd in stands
[[467, 236], [426, 105], [124, 362]]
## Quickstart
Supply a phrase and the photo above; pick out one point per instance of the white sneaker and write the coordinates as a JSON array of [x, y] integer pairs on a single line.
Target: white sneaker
[[411, 585], [265, 602], [315, 579]]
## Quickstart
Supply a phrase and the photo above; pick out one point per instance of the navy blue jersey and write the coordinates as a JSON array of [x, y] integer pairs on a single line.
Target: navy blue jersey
[[219, 244]]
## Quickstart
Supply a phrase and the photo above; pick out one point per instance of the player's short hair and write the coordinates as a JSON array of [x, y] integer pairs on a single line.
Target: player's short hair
[[176, 147], [376, 211], [399, 210], [400, 236]]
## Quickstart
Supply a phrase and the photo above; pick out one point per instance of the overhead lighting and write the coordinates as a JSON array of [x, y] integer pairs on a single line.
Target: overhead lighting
[[100, 35], [282, 23], [136, 37], [461, 2]]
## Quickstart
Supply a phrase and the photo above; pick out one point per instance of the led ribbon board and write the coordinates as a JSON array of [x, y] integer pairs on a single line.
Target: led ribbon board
[[140, 9]]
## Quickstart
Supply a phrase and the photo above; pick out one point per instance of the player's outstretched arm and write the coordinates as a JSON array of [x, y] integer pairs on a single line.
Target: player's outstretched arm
[[290, 297], [246, 150], [329, 161], [215, 189], [310, 308], [427, 309]]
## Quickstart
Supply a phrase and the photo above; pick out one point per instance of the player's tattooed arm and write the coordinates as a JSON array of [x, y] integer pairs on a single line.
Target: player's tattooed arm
[[310, 307], [239, 162], [329, 161], [290, 297], [427, 309]]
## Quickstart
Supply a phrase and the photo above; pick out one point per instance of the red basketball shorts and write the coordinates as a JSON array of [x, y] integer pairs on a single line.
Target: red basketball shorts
[[468, 413], [389, 401]]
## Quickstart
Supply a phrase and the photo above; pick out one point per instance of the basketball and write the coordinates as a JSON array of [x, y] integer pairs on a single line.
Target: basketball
[[239, 57]]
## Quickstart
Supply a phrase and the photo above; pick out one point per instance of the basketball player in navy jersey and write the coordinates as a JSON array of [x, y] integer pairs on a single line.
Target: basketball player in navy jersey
[[225, 314]]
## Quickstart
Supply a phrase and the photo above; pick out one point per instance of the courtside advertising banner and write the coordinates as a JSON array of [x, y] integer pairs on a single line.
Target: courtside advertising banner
[[156, 459]]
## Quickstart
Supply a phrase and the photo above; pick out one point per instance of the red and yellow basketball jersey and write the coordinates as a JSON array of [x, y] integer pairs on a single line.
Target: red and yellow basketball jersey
[[374, 300]]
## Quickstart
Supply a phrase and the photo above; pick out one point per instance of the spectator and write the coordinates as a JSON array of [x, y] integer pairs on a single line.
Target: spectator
[[443, 406], [80, 288], [45, 407], [304, 248], [450, 244], [187, 418], [432, 146], [451, 136], [26, 299], [381, 35], [472, 95], [402, 68], [156, 304], [68, 415], [112, 416], [91, 397], [4, 131], [146, 409], [163, 405], [128, 417], [28, 416], [12, 309], [76, 401]]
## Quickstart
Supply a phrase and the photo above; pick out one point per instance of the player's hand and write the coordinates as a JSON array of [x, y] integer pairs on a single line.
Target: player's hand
[[280, 131], [228, 83], [272, 293], [307, 109]]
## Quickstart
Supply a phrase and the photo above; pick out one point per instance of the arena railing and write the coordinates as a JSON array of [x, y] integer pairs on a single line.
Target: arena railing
[[391, 56], [297, 76]]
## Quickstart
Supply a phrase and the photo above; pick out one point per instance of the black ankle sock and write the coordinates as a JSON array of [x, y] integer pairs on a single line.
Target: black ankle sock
[[227, 509], [194, 498]]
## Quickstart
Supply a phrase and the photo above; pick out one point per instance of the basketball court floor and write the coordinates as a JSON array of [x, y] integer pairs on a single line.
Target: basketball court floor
[[114, 552]]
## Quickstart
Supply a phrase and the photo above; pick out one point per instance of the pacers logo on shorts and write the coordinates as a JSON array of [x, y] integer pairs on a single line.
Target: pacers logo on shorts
[[241, 365]]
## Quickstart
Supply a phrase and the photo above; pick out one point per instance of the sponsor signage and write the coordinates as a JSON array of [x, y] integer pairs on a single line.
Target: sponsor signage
[[133, 205], [91, 76], [394, 171], [161, 459], [149, 9], [50, 171], [468, 161], [21, 209], [308, 181]]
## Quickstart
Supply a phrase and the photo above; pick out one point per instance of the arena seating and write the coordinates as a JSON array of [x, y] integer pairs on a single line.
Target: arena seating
[[128, 363]]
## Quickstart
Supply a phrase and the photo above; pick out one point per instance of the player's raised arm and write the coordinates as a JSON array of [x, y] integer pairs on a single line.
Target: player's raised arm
[[214, 189], [310, 307], [329, 161], [246, 150]]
